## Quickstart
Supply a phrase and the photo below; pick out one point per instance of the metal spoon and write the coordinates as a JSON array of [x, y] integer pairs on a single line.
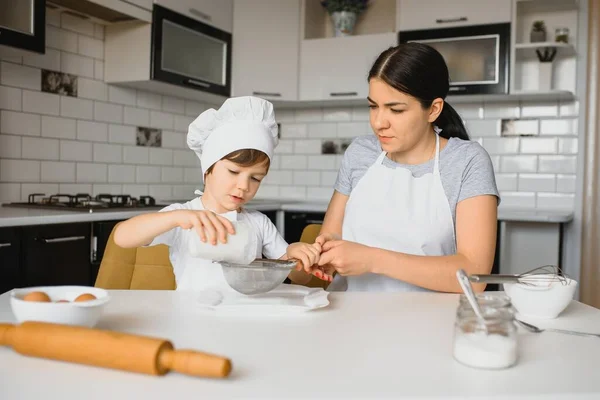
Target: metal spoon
[[465, 284], [535, 329]]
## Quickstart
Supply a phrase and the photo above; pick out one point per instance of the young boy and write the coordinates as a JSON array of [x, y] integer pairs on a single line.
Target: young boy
[[235, 145]]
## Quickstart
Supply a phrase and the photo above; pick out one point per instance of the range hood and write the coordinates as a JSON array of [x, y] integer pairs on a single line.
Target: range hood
[[103, 11]]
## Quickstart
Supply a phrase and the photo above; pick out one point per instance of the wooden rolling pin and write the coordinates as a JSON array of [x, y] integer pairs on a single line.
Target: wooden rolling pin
[[109, 349]]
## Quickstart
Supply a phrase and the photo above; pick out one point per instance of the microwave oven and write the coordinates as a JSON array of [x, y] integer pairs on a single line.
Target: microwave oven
[[478, 56], [189, 53]]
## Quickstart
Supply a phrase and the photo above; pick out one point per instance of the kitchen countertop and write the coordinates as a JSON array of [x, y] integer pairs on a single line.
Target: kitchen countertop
[[363, 345], [11, 216]]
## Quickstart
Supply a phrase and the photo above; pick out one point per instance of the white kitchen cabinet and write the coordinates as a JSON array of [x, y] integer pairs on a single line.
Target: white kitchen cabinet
[[265, 55], [218, 13], [428, 14], [145, 4], [109, 11], [337, 68]]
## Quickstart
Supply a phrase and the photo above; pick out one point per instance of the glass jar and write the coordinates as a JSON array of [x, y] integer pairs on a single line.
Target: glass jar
[[494, 348], [497, 300], [561, 35]]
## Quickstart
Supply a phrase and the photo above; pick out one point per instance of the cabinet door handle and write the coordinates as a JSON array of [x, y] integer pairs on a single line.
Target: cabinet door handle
[[272, 94], [450, 20], [314, 221], [200, 14], [197, 83], [335, 94], [62, 239], [5, 244]]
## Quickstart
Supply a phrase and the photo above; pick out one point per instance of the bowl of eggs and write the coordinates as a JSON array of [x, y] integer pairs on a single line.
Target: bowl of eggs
[[69, 305]]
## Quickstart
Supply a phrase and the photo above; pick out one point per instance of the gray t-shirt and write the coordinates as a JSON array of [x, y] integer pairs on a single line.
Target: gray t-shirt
[[466, 169]]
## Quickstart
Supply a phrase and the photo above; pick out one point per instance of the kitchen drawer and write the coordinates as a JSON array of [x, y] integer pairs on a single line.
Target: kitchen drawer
[[10, 244], [433, 14]]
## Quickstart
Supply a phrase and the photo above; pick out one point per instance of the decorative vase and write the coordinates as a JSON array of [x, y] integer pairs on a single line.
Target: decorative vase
[[545, 77], [343, 22]]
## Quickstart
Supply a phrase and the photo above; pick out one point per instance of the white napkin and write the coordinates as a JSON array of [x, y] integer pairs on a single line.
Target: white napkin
[[284, 299]]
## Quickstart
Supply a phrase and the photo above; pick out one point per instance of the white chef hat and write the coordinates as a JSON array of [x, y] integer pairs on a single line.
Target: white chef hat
[[240, 123]]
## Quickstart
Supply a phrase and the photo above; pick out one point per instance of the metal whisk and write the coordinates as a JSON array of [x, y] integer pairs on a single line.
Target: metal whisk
[[543, 276]]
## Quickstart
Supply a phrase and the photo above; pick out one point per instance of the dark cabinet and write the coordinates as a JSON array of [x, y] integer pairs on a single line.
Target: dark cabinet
[[56, 254], [295, 222], [10, 245]]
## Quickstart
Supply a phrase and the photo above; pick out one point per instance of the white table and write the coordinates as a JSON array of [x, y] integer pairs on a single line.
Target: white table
[[364, 345]]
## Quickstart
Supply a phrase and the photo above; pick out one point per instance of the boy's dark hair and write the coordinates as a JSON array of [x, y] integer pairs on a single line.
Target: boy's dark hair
[[245, 158]]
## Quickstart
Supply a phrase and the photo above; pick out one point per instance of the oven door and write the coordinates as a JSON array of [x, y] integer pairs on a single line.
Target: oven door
[[477, 56], [23, 24], [189, 53]]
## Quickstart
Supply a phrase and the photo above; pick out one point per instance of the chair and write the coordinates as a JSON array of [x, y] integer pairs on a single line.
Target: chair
[[150, 268]]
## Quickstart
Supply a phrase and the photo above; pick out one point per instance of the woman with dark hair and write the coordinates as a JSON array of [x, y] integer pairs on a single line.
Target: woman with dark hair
[[416, 201]]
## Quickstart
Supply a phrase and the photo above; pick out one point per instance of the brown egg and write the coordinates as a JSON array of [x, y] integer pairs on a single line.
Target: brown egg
[[37, 296], [63, 301], [85, 297]]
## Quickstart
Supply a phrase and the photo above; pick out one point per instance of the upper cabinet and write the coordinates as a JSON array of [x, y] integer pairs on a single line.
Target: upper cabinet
[[23, 25], [265, 55], [218, 13], [109, 11], [426, 14]]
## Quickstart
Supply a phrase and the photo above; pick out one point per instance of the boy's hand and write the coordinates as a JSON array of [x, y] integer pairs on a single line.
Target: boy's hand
[[205, 223], [308, 254]]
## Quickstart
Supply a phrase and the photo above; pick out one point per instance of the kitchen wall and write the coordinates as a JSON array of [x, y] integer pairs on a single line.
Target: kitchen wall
[[54, 143]]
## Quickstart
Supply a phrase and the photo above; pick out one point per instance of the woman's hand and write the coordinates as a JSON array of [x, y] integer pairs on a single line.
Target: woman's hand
[[326, 237], [347, 258], [205, 223]]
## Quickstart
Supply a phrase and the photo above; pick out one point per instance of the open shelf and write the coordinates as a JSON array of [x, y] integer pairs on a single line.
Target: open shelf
[[563, 49], [548, 5]]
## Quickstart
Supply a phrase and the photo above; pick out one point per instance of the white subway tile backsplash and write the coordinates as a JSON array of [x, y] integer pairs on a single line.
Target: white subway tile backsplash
[[483, 127], [19, 171], [290, 131], [100, 188], [121, 173], [92, 131], [267, 192], [306, 178], [50, 60], [193, 108], [518, 164], [506, 182], [328, 178], [292, 192], [99, 70], [184, 191], [92, 172], [294, 162], [74, 188], [18, 123], [57, 127], [56, 171], [92, 89], [517, 200], [360, 113], [319, 193], [565, 201], [71, 150], [149, 100], [20, 76], [285, 147], [549, 109], [275, 163], [136, 116], [76, 64], [108, 153], [568, 146], [122, 95], [99, 31], [161, 156], [106, 112], [539, 145], [173, 105], [10, 146], [76, 108], [353, 129], [173, 140], [147, 174], [309, 115], [569, 109], [41, 103], [10, 192], [135, 155], [91, 47], [284, 115], [192, 175], [60, 39], [337, 114], [558, 164], [558, 126], [501, 145], [185, 158], [172, 175], [40, 149], [161, 120], [10, 98], [182, 123], [47, 188], [469, 111], [537, 183], [278, 177], [160, 192], [307, 146], [76, 24], [135, 190], [502, 110], [322, 162], [566, 183], [53, 17]]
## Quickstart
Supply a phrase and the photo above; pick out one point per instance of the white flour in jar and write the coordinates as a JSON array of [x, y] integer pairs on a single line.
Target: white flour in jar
[[492, 351]]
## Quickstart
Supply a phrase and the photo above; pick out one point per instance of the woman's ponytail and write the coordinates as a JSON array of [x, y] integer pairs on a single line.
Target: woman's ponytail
[[451, 123]]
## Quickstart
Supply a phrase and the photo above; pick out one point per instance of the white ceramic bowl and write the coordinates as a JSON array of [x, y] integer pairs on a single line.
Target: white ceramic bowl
[[85, 313], [543, 301]]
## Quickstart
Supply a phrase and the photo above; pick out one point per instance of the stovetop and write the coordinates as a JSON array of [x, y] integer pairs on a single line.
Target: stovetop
[[85, 202]]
